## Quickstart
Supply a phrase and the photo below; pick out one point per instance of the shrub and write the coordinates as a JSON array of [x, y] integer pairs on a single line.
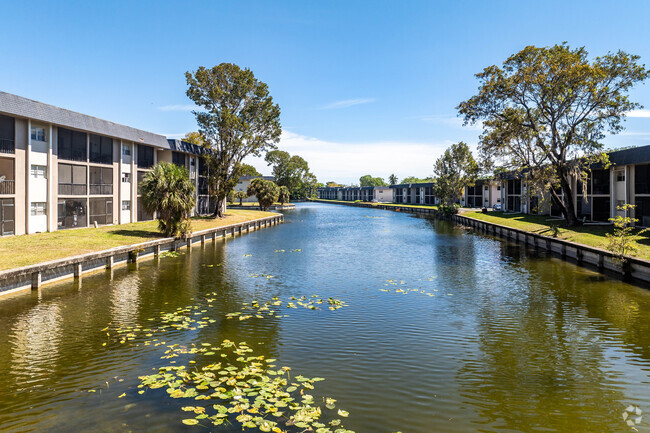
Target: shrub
[[266, 191]]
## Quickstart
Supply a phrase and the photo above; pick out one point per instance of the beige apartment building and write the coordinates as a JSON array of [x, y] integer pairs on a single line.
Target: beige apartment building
[[60, 169]]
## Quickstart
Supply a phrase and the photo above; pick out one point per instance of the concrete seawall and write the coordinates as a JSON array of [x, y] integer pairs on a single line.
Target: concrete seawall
[[34, 276], [584, 255]]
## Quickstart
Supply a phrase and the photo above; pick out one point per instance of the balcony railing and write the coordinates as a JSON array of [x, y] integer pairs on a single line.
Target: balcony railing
[[72, 189], [101, 189], [7, 146], [7, 187]]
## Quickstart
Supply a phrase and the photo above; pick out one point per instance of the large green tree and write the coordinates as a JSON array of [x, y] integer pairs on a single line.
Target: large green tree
[[168, 191], [546, 110], [292, 172], [238, 119], [368, 180], [453, 171], [414, 179]]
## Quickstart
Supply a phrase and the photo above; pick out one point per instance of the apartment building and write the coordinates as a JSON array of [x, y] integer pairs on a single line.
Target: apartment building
[[625, 181], [60, 169], [381, 194]]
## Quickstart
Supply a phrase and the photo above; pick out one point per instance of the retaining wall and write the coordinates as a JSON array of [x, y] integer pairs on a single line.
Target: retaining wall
[[584, 255], [34, 276]]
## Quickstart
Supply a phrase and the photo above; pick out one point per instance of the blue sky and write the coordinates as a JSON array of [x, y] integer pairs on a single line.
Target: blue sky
[[364, 87]]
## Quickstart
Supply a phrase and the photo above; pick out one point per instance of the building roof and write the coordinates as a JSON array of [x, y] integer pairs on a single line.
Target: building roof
[[241, 178], [15, 105], [184, 146], [635, 155], [413, 185]]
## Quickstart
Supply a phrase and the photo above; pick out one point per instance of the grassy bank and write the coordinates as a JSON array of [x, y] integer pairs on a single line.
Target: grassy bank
[[588, 235], [420, 206], [18, 251]]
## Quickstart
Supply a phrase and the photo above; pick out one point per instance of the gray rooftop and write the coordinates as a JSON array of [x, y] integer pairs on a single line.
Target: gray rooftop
[[15, 105]]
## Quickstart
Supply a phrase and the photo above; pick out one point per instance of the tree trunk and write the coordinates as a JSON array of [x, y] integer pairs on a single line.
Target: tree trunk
[[240, 201], [218, 212], [567, 207]]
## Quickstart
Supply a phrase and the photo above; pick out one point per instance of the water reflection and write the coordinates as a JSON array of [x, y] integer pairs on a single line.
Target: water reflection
[[485, 336]]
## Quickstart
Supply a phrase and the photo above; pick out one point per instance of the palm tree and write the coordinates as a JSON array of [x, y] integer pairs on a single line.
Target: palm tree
[[241, 195], [266, 191], [392, 179], [168, 191], [284, 195]]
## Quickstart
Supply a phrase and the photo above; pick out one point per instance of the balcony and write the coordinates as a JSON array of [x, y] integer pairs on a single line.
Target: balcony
[[101, 189], [7, 146], [7, 187], [72, 189]]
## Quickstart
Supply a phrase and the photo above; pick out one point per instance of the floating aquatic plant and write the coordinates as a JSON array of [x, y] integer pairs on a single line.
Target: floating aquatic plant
[[248, 389], [272, 306]]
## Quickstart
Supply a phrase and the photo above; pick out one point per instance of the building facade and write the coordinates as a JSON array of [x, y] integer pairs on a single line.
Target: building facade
[[60, 169]]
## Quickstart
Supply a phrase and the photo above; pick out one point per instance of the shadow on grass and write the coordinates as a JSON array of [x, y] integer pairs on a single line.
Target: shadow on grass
[[136, 233]]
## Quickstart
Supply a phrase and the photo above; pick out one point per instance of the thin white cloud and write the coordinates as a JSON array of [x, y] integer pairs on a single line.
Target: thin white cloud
[[346, 162], [179, 107], [638, 113], [347, 103]]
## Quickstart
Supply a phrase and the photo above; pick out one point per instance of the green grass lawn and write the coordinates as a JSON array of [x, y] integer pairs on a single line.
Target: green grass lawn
[[18, 251], [424, 206], [588, 235]]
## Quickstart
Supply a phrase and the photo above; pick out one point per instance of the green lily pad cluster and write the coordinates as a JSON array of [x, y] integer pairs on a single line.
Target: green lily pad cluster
[[246, 389], [297, 250], [272, 307], [268, 277]]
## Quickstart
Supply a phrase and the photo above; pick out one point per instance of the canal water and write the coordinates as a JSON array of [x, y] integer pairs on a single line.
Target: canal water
[[444, 330]]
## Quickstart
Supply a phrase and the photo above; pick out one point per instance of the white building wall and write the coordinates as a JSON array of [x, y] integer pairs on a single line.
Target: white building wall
[[384, 195], [37, 177], [126, 187]]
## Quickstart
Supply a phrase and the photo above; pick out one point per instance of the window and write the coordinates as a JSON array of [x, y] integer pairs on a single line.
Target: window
[[126, 177], [38, 133], [7, 135], [126, 205], [145, 156], [126, 150], [71, 213], [178, 159], [101, 210], [39, 171], [38, 208], [101, 149], [7, 216], [498, 187], [101, 180], [620, 176], [71, 145], [600, 179], [72, 179], [485, 188]]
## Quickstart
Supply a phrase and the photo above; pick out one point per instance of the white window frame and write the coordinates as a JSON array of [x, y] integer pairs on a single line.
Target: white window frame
[[38, 208], [38, 171], [126, 204], [126, 177], [35, 137], [126, 150]]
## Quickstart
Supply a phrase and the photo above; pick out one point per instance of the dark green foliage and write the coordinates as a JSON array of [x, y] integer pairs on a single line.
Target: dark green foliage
[[284, 195], [454, 170], [547, 110], [238, 119], [168, 191], [368, 180], [266, 191], [292, 172]]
